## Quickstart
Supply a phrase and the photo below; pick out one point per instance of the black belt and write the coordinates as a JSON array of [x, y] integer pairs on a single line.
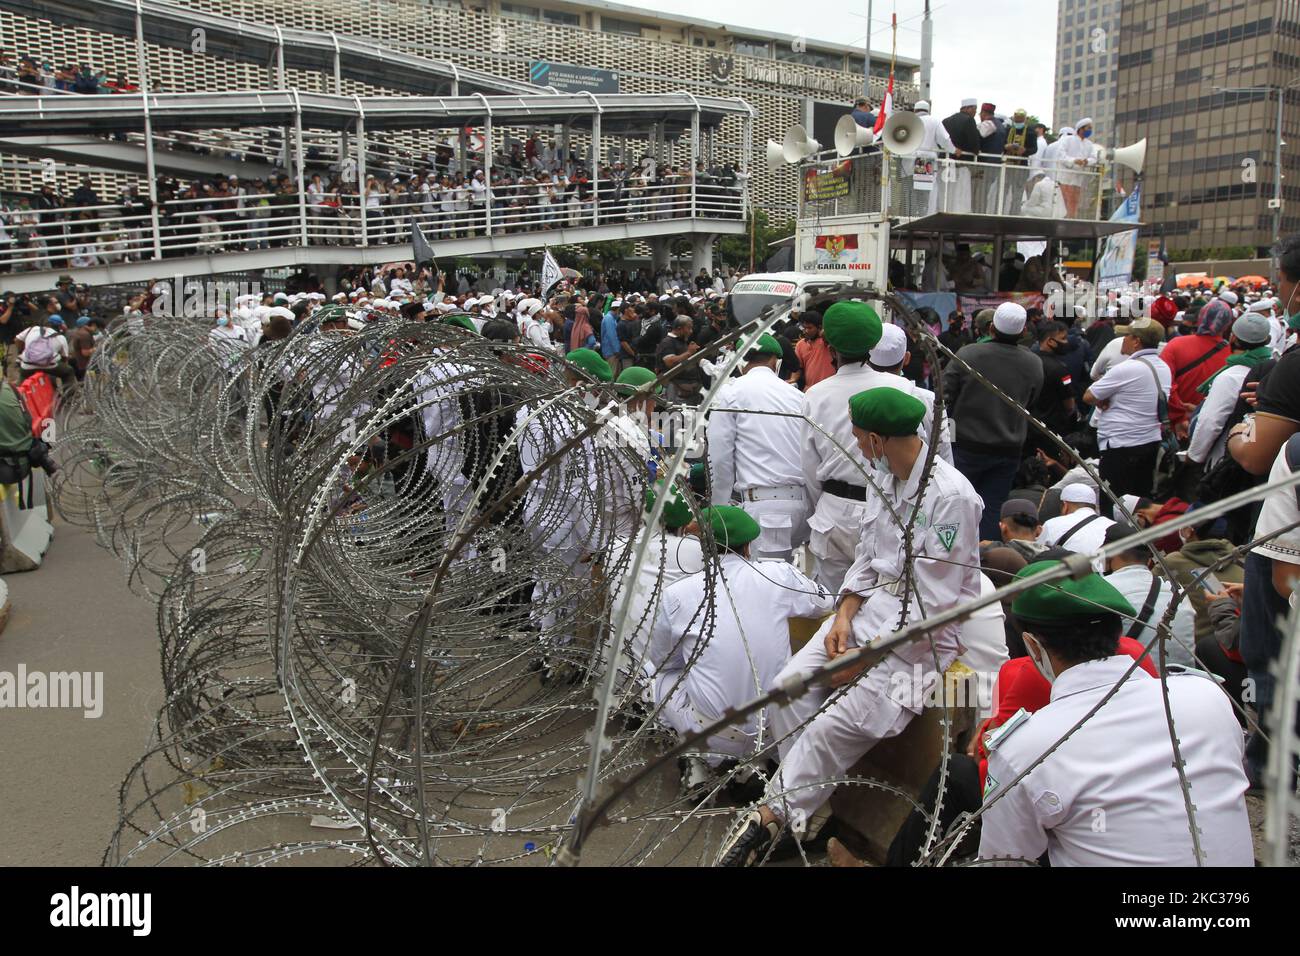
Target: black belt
[[842, 489]]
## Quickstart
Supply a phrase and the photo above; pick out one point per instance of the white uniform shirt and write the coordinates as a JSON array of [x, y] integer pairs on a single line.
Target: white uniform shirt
[[1278, 511], [669, 558], [984, 637], [1109, 795], [945, 551], [1087, 540], [754, 450], [747, 647], [827, 404], [1209, 438], [1134, 582], [230, 342], [1130, 419]]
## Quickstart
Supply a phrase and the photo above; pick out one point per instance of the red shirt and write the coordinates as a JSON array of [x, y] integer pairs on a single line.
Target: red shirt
[[1019, 684], [1181, 352], [815, 357]]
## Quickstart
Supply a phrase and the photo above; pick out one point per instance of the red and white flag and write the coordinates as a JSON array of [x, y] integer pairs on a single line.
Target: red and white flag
[[886, 107]]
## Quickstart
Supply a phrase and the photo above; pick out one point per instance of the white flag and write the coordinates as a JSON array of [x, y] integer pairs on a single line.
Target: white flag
[[550, 272]]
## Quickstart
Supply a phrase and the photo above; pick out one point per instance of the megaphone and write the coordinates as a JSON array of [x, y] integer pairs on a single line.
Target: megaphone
[[775, 156], [849, 135], [798, 144], [903, 133], [1131, 156]]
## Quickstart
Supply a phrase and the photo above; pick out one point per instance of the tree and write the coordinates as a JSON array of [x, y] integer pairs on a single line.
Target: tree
[[734, 250]]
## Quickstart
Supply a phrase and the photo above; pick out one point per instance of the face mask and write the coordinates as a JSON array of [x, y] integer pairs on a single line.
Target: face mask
[[1045, 665], [1292, 318], [1086, 134], [880, 464], [1019, 125], [223, 321]]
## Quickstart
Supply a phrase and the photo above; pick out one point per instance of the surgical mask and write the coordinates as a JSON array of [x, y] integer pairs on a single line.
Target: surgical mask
[[880, 465], [1018, 125], [1086, 134], [1292, 318], [223, 321], [1045, 665]]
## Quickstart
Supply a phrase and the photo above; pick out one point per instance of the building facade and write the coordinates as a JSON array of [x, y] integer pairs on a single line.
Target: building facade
[[1200, 81], [1086, 64], [787, 80]]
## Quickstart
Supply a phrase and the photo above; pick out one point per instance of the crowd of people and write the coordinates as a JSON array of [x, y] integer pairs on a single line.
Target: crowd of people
[[34, 76], [53, 230]]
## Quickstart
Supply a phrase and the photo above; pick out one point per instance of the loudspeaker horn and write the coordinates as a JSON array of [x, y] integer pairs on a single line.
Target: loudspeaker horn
[[849, 135], [775, 156], [1134, 157], [903, 133], [798, 144]]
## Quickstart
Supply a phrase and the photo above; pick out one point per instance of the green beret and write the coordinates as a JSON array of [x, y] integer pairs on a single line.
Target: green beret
[[461, 321], [591, 363], [334, 312], [886, 411], [633, 378], [851, 328], [676, 511], [767, 345], [732, 526], [1071, 600]]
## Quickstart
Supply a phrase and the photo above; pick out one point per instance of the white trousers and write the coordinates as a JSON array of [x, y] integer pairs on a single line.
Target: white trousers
[[834, 528], [678, 713], [783, 524], [835, 739]]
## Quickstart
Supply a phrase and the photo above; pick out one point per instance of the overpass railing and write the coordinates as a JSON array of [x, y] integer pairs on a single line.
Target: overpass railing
[[84, 236]]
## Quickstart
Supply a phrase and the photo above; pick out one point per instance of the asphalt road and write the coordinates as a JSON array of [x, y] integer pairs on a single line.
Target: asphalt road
[[59, 770]]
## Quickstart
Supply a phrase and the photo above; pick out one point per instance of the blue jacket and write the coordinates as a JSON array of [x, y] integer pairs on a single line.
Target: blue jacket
[[609, 346]]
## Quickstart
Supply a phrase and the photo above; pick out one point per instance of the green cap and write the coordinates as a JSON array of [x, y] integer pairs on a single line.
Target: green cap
[[676, 511], [591, 363], [886, 411], [635, 377], [1073, 600], [732, 526], [851, 328], [461, 321], [767, 345]]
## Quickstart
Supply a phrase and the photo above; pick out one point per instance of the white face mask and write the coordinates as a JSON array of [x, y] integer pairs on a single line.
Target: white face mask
[[1045, 664], [880, 464]]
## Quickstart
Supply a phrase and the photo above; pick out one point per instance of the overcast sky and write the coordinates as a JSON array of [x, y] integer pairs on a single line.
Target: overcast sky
[[1001, 51]]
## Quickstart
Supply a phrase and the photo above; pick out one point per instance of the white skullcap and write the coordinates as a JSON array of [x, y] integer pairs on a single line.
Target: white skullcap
[[891, 348], [1065, 131], [617, 303], [1078, 493], [281, 311], [357, 322], [446, 306], [1086, 121], [969, 101], [1228, 296], [1130, 503], [921, 105], [1009, 319], [1263, 305]]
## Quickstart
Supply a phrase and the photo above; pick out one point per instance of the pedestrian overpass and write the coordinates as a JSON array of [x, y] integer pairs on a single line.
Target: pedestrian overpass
[[352, 135]]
